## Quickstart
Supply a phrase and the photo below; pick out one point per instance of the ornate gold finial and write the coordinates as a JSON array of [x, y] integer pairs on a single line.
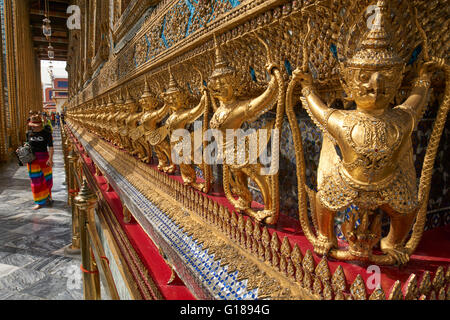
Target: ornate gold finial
[[221, 67], [85, 198], [376, 48]]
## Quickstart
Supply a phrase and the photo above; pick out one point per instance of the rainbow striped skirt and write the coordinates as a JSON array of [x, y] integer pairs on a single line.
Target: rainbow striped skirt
[[41, 178]]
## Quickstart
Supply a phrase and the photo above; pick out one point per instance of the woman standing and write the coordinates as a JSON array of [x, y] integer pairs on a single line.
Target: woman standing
[[40, 170]]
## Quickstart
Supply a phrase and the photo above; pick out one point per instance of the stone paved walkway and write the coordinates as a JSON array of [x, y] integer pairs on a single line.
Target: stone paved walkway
[[32, 260]]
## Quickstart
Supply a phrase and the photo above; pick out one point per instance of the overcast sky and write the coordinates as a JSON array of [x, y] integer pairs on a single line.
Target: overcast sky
[[59, 70]]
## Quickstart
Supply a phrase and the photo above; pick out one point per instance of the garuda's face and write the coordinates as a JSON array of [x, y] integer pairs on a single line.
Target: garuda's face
[[148, 103], [222, 87], [175, 100], [372, 89]]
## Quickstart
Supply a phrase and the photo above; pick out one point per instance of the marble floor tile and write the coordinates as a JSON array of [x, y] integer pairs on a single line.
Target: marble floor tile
[[30, 228], [20, 279], [47, 288], [33, 265], [14, 295], [17, 259], [6, 269]]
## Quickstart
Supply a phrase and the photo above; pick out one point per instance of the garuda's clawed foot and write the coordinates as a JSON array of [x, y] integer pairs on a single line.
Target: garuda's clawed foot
[[265, 216], [323, 245], [398, 252]]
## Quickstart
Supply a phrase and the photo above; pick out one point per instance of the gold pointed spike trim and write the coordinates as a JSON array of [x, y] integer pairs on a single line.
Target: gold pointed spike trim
[[338, 280], [299, 274], [441, 294], [290, 269], [327, 291], [447, 275], [412, 288], [265, 237], [257, 233], [396, 291], [285, 248], [308, 262], [322, 269], [241, 223], [425, 284], [307, 280], [439, 279], [432, 295], [378, 294], [317, 287], [296, 255], [339, 296], [249, 228], [275, 242], [358, 289]]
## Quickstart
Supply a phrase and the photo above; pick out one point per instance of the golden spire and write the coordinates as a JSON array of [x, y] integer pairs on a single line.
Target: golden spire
[[146, 92], [173, 86], [376, 47], [221, 67], [128, 99]]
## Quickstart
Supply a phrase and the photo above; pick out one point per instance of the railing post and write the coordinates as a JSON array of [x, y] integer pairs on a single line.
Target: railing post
[[86, 202], [73, 186]]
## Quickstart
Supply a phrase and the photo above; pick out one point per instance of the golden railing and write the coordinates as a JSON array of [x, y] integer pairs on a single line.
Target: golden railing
[[85, 237]]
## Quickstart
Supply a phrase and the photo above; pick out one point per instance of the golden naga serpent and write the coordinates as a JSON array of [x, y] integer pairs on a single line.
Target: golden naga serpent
[[425, 178]]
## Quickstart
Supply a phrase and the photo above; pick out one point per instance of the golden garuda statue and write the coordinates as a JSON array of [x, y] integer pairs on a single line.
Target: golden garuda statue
[[230, 114], [127, 107], [155, 137], [181, 116], [135, 132], [115, 121], [366, 159]]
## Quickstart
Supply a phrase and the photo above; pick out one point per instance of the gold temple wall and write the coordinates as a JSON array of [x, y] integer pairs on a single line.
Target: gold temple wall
[[180, 37], [23, 76]]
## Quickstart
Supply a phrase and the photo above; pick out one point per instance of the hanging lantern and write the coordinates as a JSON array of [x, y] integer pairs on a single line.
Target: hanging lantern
[[51, 52], [46, 28]]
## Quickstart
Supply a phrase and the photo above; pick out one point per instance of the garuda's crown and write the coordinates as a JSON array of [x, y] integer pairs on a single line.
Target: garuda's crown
[[376, 48]]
